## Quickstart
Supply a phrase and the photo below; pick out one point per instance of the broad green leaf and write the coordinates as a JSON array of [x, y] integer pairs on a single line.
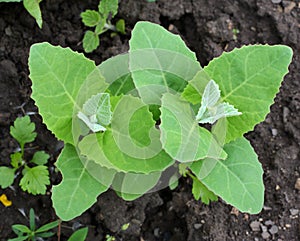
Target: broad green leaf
[[90, 18], [57, 75], [33, 7], [79, 189], [131, 186], [79, 235], [201, 191], [7, 176], [23, 130], [116, 73], [181, 136], [249, 79], [35, 179], [107, 7], [237, 180], [40, 158], [90, 41], [160, 62]]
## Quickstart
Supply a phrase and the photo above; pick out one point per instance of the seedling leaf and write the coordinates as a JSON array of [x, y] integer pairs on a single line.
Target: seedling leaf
[[35, 179], [90, 18], [107, 7], [40, 158], [90, 41], [33, 7], [201, 191], [7, 176], [23, 130], [47, 227], [79, 235]]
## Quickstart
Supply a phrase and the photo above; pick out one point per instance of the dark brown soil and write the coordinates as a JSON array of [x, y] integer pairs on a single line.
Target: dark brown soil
[[207, 27]]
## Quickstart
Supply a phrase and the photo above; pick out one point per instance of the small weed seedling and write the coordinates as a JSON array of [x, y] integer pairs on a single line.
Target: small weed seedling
[[79, 235], [101, 20], [33, 7], [140, 120], [35, 173], [32, 233]]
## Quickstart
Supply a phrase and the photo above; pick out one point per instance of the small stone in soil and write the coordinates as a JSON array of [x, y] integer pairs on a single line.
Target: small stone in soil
[[263, 228], [265, 235], [269, 223], [276, 1], [197, 225], [297, 184], [273, 229], [255, 226], [294, 211]]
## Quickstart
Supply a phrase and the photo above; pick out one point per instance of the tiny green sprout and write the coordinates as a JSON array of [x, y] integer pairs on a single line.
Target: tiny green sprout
[[33, 233], [35, 173], [235, 32], [109, 237], [33, 8], [125, 226], [101, 21]]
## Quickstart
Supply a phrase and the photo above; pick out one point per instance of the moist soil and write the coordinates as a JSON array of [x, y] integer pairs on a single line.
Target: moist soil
[[208, 28]]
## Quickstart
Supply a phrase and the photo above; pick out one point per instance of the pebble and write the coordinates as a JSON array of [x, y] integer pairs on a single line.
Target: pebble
[[273, 229], [297, 184], [269, 223], [264, 228], [276, 1], [294, 211], [286, 113], [265, 235], [156, 232], [255, 226], [274, 132], [197, 225]]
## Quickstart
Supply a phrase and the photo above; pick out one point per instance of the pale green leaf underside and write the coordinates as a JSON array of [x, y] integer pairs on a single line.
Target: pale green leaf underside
[[249, 79], [238, 179], [181, 136], [159, 62], [78, 189], [57, 75]]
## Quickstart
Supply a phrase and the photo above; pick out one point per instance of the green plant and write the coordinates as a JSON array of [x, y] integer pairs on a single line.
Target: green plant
[[101, 20], [33, 7], [35, 173], [32, 233], [79, 235], [134, 123]]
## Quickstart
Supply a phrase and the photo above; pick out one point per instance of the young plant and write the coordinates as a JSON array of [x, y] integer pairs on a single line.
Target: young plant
[[35, 173], [79, 235], [101, 20], [135, 122], [33, 7], [32, 233]]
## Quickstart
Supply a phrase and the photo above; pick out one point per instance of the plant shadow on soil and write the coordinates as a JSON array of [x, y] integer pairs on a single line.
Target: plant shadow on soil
[[208, 28]]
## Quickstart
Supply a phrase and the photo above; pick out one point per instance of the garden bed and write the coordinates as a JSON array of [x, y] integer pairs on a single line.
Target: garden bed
[[208, 28]]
